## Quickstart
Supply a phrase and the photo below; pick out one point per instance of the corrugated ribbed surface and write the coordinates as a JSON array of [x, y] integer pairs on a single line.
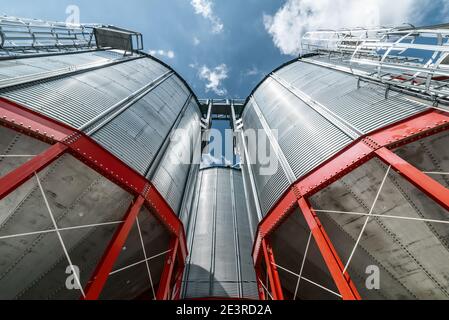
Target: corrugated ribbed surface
[[171, 176], [249, 287], [136, 135], [366, 108], [189, 195], [220, 263], [307, 137], [77, 99], [249, 198], [23, 67], [270, 187]]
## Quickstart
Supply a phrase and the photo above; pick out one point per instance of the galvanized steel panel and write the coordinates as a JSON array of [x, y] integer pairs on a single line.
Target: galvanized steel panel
[[202, 232], [213, 270], [308, 138], [77, 99], [366, 108], [269, 187], [136, 135], [171, 175], [249, 198], [28, 66]]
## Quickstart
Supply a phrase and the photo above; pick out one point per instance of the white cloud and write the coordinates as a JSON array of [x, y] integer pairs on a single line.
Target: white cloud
[[296, 17], [163, 53], [252, 72], [196, 41], [209, 160], [205, 9], [214, 78]]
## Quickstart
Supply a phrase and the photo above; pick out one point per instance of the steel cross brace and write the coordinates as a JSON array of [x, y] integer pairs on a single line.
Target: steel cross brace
[[377, 144], [65, 139]]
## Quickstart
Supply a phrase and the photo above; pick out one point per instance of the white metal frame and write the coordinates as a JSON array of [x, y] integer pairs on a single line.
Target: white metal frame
[[385, 55]]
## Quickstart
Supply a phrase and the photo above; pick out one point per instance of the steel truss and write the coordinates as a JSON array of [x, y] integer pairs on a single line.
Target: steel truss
[[18, 36], [411, 59], [67, 140], [375, 145]]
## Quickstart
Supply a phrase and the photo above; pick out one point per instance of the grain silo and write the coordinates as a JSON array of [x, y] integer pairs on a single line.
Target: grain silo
[[89, 184], [358, 208], [102, 198]]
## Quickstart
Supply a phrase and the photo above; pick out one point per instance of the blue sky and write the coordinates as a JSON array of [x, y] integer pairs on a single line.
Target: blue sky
[[243, 45], [227, 48], [223, 48]]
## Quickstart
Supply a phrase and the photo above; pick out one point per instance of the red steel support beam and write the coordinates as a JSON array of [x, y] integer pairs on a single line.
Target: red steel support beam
[[34, 124], [159, 206], [344, 283], [178, 282], [101, 274], [85, 149], [280, 212], [412, 129], [262, 295], [19, 176], [163, 292], [361, 151], [179, 273], [273, 275], [422, 181]]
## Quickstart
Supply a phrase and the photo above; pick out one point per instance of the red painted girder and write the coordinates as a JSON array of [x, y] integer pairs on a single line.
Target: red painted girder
[[104, 268], [19, 176], [93, 155], [411, 129], [159, 206], [163, 291], [279, 213], [422, 181], [272, 271], [344, 283], [89, 152], [340, 165], [178, 282], [261, 289], [24, 120]]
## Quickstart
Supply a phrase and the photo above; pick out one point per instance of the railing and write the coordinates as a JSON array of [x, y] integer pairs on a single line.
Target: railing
[[30, 36], [224, 102], [414, 59]]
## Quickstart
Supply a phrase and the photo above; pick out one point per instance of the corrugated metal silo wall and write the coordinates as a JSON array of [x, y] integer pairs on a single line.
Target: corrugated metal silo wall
[[135, 135], [171, 176], [316, 112], [219, 237], [251, 196], [97, 92]]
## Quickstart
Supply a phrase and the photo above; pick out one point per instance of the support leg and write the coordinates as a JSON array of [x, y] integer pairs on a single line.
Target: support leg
[[343, 281], [104, 268], [163, 292], [262, 295], [419, 179], [273, 276], [19, 176]]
